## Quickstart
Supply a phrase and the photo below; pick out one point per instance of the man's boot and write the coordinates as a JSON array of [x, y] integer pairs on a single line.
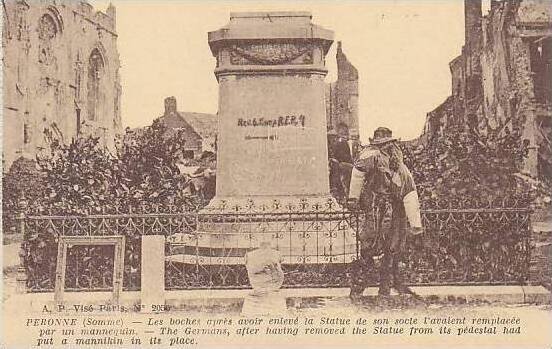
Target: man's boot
[[358, 283], [403, 289], [398, 283], [356, 292], [385, 276], [384, 289]]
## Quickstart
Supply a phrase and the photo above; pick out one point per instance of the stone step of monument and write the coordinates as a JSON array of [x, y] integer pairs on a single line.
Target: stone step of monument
[[313, 239], [219, 258]]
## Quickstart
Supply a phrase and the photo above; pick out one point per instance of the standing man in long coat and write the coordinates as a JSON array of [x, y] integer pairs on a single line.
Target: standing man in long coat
[[380, 175], [341, 162]]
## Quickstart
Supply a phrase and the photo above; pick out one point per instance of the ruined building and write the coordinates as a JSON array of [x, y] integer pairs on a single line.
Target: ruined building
[[342, 96], [502, 79], [200, 129], [61, 75]]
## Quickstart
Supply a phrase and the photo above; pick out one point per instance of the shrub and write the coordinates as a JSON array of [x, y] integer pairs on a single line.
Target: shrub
[[23, 180], [466, 166]]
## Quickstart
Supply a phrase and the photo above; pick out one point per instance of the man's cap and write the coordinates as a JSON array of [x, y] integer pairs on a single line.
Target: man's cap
[[382, 135]]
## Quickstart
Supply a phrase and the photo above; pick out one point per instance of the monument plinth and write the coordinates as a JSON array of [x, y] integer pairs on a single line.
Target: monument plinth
[[272, 144], [272, 113]]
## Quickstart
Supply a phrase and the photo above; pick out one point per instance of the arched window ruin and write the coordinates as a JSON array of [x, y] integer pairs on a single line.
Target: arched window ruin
[[47, 28], [95, 73]]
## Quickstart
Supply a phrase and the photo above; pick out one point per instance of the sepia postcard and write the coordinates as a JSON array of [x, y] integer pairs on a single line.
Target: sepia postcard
[[271, 174]]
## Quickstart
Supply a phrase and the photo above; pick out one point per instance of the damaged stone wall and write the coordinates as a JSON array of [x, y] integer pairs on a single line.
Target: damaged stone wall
[[342, 96], [438, 120], [501, 80], [61, 75]]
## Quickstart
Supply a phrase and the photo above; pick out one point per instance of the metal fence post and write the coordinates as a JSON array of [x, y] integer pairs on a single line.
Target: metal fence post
[[527, 233], [21, 277]]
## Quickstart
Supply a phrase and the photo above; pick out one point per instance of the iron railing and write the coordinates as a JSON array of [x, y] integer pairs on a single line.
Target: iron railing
[[316, 248], [484, 244]]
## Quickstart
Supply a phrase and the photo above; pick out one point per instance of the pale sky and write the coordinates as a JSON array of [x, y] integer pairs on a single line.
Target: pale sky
[[400, 48]]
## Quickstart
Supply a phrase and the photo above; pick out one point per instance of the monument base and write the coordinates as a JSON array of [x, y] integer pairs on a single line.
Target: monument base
[[272, 205], [307, 230]]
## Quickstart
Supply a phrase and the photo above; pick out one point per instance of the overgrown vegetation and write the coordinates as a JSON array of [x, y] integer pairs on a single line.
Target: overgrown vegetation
[[23, 180], [82, 177], [466, 166]]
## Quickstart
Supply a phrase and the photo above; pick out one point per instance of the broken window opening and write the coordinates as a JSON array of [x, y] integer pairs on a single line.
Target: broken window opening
[[472, 121], [95, 71], [26, 136], [474, 87], [541, 61], [47, 28], [78, 115]]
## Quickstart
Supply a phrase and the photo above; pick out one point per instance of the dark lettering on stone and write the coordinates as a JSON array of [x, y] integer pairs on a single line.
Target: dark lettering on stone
[[302, 120], [281, 121]]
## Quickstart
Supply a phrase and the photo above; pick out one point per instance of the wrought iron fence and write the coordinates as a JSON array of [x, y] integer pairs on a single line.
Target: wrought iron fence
[[88, 267], [316, 247], [462, 245], [472, 246]]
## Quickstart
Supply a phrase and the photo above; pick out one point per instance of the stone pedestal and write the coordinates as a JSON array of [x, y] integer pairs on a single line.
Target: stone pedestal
[[272, 112], [272, 145], [152, 289]]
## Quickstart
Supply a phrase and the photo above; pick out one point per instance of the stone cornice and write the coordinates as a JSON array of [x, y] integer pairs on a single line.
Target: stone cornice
[[270, 26], [271, 70]]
